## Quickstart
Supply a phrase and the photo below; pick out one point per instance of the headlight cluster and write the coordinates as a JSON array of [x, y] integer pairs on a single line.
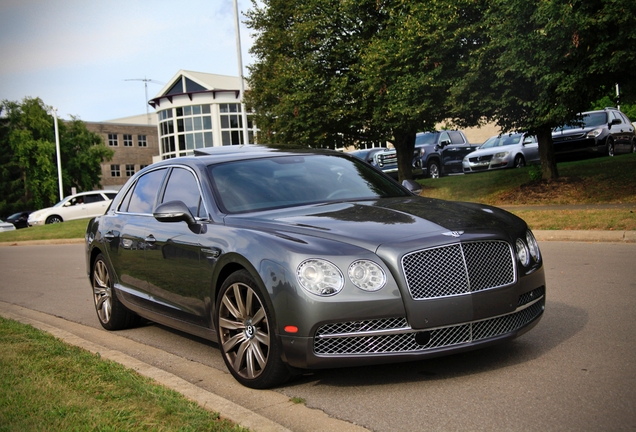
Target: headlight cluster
[[527, 249], [501, 155], [594, 133], [323, 278]]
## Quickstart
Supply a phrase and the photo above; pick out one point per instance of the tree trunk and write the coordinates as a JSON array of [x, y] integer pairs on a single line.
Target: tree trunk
[[404, 144], [546, 152]]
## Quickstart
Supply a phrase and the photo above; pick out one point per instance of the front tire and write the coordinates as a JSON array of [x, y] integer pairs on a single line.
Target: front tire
[[610, 147], [520, 162], [246, 336], [112, 314], [433, 169], [54, 219]]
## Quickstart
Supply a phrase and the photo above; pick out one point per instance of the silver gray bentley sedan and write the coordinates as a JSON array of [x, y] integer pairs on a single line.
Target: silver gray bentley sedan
[[302, 259]]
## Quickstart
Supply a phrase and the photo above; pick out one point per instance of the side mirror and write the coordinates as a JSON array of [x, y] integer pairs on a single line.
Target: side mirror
[[444, 143], [615, 121], [174, 211], [413, 186]]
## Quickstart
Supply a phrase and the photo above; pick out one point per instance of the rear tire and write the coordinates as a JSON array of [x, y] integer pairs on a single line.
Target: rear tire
[[112, 314], [246, 336]]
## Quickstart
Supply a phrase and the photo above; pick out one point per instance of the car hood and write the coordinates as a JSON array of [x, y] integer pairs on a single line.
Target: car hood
[[369, 224], [490, 151]]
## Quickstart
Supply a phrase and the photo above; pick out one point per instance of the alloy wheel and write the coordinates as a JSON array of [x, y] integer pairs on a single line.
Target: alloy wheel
[[102, 292], [244, 331]]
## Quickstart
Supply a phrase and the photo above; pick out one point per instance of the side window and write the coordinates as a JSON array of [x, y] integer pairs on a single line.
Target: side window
[[145, 192], [183, 186], [93, 198], [444, 137], [456, 137], [615, 115]]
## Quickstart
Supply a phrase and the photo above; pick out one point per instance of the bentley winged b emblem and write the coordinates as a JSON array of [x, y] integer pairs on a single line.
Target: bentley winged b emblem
[[453, 233]]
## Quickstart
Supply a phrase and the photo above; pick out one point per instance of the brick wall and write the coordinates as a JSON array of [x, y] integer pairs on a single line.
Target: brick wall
[[133, 155]]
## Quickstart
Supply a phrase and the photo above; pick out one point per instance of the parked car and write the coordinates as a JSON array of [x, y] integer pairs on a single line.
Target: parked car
[[6, 226], [436, 154], [513, 150], [308, 259], [367, 155], [78, 206], [20, 219], [602, 132]]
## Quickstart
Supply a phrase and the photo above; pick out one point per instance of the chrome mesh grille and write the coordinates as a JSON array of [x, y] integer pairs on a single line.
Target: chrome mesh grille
[[405, 342], [458, 269], [358, 326]]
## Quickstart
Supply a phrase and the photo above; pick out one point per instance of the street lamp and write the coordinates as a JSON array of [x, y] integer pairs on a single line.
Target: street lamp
[[240, 67], [57, 151]]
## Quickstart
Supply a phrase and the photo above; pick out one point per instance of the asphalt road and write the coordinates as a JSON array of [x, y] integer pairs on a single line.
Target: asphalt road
[[575, 371]]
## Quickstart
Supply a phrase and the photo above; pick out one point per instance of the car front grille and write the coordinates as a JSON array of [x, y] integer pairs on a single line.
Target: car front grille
[[393, 335], [485, 158], [459, 268]]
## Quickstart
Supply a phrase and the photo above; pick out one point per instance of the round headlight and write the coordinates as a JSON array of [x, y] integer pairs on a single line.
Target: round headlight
[[533, 246], [367, 275], [320, 277], [522, 252]]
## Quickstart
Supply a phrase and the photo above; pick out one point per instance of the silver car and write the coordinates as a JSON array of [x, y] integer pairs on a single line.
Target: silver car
[[294, 260], [514, 150]]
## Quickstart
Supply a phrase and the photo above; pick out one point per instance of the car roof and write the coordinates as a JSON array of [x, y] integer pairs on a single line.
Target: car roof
[[210, 155]]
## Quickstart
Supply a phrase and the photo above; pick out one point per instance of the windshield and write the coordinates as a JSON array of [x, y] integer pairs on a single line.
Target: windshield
[[285, 181], [504, 140], [426, 138], [588, 120]]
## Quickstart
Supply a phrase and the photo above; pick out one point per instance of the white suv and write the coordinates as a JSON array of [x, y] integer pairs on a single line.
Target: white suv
[[78, 206]]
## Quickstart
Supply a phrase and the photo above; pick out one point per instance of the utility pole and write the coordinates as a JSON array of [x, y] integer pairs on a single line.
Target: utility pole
[[59, 157], [240, 68]]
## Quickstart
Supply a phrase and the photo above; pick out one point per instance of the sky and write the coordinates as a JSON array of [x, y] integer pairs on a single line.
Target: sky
[[78, 56]]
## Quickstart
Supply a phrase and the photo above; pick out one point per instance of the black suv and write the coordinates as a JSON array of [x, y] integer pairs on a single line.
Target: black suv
[[436, 154], [606, 132]]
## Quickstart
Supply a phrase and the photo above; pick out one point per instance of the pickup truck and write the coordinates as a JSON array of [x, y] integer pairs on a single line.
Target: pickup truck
[[436, 154]]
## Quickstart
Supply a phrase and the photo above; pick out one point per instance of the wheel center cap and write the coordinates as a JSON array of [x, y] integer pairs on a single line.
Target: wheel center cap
[[250, 330]]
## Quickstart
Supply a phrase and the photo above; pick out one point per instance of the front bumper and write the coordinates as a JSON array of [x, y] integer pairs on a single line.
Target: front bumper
[[394, 339]]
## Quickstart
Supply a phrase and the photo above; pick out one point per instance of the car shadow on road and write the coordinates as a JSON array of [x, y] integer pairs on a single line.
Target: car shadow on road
[[560, 322]]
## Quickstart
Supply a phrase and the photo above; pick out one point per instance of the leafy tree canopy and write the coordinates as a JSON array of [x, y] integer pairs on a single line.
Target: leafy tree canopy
[[338, 72], [28, 164]]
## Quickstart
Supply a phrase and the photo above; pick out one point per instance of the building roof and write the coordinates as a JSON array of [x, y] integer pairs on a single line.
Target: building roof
[[206, 80], [138, 120]]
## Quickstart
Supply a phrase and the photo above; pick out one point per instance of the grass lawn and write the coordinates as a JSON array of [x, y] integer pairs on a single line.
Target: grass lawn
[[47, 385]]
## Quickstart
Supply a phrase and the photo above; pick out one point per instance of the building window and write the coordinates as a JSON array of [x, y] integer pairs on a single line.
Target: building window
[[141, 141], [194, 127], [231, 124], [130, 170], [128, 141], [114, 171], [112, 140]]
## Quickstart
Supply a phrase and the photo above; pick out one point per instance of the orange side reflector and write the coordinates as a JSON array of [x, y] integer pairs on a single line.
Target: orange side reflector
[[291, 329]]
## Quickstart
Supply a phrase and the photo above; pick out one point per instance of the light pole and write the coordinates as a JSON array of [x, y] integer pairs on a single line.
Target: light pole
[[57, 151], [240, 67]]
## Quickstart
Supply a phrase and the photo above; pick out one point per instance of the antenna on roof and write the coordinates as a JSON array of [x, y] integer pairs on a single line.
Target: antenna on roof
[[146, 81]]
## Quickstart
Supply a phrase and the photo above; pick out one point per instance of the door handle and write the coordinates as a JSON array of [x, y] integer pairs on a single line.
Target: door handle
[[109, 236]]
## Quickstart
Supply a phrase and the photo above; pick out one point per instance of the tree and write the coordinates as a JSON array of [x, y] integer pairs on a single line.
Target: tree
[[410, 63], [28, 168], [541, 63], [302, 86]]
